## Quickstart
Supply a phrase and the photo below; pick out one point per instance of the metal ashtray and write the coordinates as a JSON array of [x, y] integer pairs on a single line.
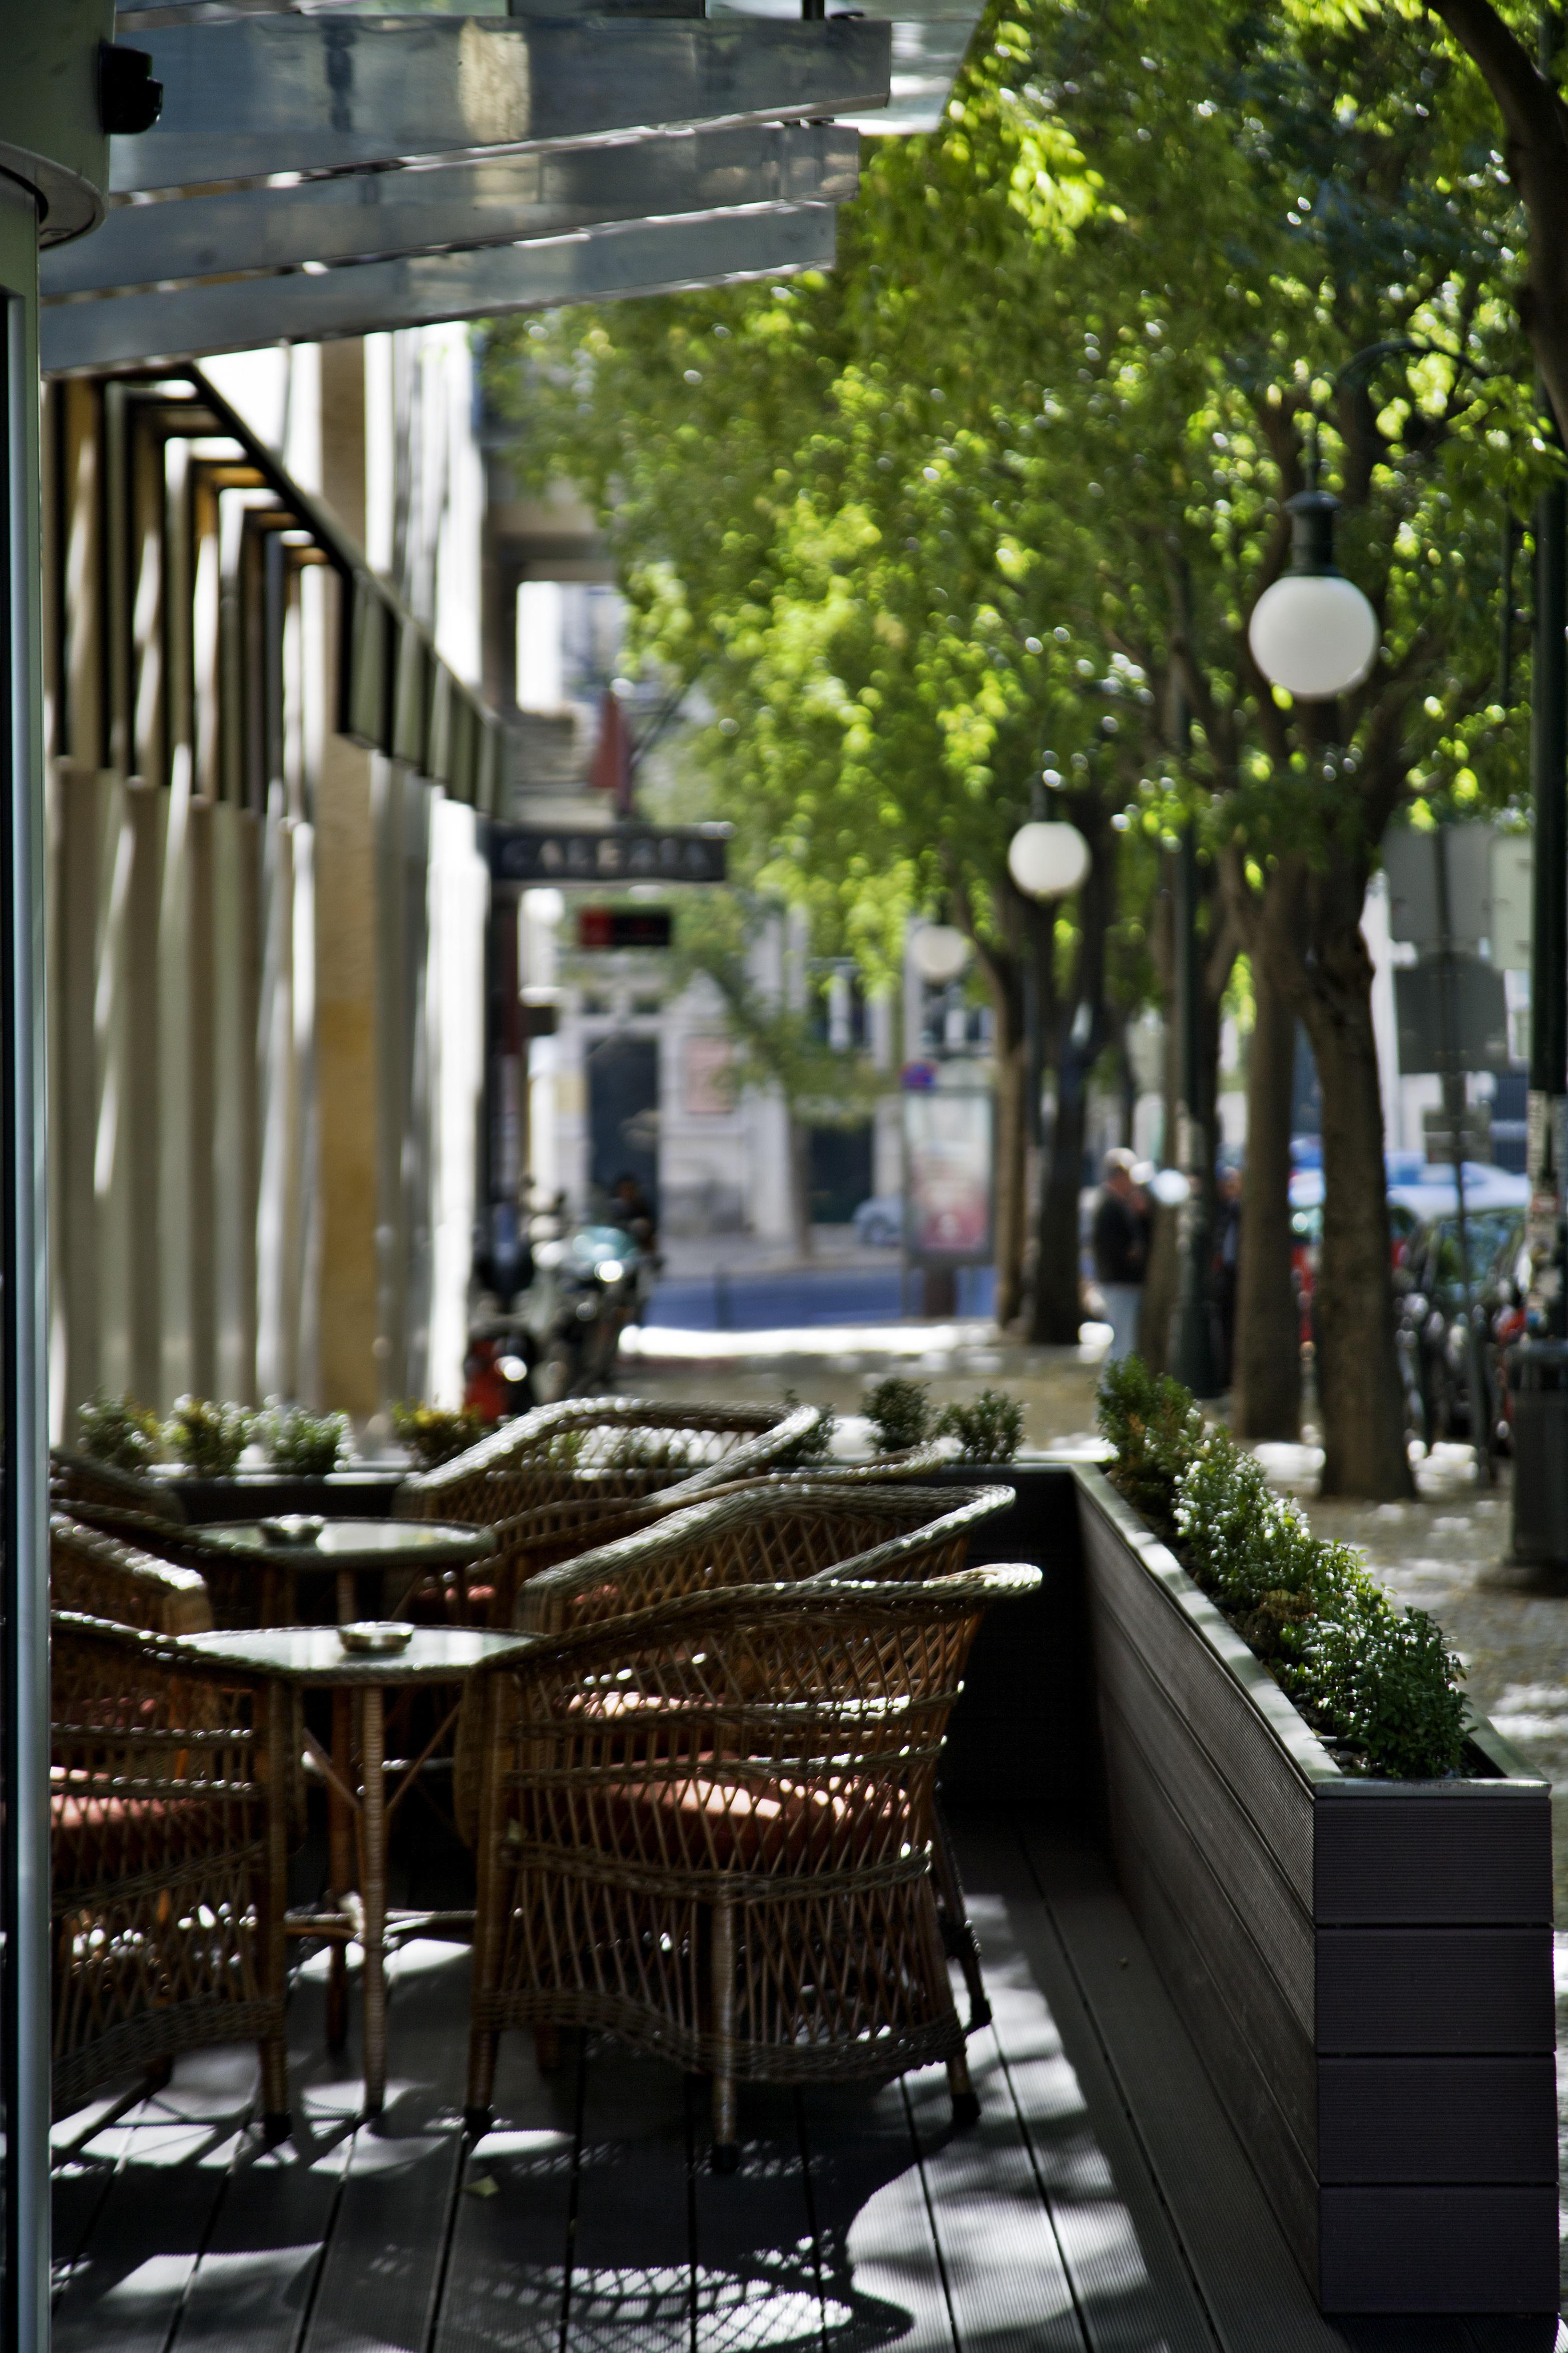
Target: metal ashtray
[[376, 1637], [293, 1528]]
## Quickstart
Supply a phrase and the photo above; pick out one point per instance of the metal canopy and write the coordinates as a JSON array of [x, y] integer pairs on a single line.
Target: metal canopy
[[257, 95], [930, 37], [364, 297], [364, 216]]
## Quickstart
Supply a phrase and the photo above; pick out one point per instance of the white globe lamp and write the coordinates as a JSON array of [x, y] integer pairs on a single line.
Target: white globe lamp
[[1313, 632], [940, 953], [1046, 859]]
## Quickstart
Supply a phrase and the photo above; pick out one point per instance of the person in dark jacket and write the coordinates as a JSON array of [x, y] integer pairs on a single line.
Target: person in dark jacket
[[1121, 1242]]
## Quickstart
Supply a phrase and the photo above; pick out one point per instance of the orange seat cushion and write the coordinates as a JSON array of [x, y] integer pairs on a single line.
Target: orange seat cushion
[[711, 1824], [94, 1836]]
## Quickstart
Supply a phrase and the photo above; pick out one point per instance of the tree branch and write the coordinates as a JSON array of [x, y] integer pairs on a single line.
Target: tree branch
[[1530, 107]]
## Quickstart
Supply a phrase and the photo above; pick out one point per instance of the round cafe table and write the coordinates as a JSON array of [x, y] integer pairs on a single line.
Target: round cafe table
[[313, 1658], [343, 1550]]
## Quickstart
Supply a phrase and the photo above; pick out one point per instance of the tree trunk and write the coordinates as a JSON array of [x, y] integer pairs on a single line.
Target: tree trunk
[[1266, 1385], [1361, 1396], [800, 1186], [1310, 934], [1160, 1287], [1057, 1307], [1161, 1280], [1011, 1137]]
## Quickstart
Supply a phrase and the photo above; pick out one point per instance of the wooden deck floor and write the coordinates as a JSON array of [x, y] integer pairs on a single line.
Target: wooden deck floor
[[1102, 2205]]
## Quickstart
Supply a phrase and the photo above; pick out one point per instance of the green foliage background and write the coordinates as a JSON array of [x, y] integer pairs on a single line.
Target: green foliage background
[[918, 522]]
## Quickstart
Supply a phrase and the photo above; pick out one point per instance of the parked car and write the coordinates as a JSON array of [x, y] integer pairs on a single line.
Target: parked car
[[879, 1222]]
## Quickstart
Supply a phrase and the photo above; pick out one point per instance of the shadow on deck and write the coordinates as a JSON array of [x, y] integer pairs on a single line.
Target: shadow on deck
[[1102, 2205]]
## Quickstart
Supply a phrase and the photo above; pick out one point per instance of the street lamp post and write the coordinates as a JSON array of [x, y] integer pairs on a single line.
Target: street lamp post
[[1193, 1356], [1047, 860]]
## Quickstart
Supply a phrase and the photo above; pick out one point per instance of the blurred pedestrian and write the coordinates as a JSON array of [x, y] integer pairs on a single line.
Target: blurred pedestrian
[[1121, 1242]]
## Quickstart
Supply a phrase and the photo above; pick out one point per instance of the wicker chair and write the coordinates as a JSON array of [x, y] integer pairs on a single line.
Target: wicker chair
[[767, 1532], [707, 1829], [548, 1534], [83, 1479], [169, 1813], [98, 1575], [593, 1449], [231, 1584]]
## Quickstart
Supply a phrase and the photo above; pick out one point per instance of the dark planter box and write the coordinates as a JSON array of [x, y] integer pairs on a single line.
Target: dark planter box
[[363, 1495], [1364, 1966]]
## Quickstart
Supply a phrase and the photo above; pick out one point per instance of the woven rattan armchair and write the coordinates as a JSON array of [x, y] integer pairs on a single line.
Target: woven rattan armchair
[[768, 1532], [100, 1576], [707, 1829], [82, 1479], [604, 1449], [562, 1530], [231, 1582], [170, 1802]]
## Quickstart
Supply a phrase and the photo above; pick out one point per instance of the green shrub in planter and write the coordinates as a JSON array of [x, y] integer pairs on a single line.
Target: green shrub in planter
[[634, 1450], [815, 1448], [119, 1432], [310, 1445], [900, 1412], [1369, 1676], [989, 1429], [435, 1434], [208, 1436]]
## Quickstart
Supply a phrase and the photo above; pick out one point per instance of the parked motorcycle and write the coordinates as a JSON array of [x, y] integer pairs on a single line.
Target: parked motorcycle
[[586, 1287], [1435, 1345]]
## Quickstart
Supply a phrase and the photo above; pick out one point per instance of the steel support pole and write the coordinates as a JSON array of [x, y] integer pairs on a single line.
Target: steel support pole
[[24, 1496], [1549, 957]]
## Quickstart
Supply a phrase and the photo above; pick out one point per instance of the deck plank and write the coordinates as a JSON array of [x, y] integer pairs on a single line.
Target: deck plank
[[1006, 2282], [172, 2157], [390, 2186], [506, 2277], [758, 2276], [1132, 2285], [883, 2274], [1250, 2279], [631, 2283]]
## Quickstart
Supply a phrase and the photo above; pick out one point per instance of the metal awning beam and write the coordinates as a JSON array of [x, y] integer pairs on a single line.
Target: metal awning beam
[[426, 208], [365, 298], [259, 95]]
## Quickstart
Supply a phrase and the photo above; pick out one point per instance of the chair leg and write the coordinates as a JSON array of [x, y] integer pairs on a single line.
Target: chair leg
[[482, 2045], [275, 2121], [966, 2098], [726, 2137], [957, 1933], [488, 1898]]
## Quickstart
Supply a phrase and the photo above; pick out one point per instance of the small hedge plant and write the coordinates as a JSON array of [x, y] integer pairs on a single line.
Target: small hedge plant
[[813, 1447], [900, 1412], [119, 1432], [435, 1434], [310, 1445], [989, 1429], [1370, 1677], [208, 1436]]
